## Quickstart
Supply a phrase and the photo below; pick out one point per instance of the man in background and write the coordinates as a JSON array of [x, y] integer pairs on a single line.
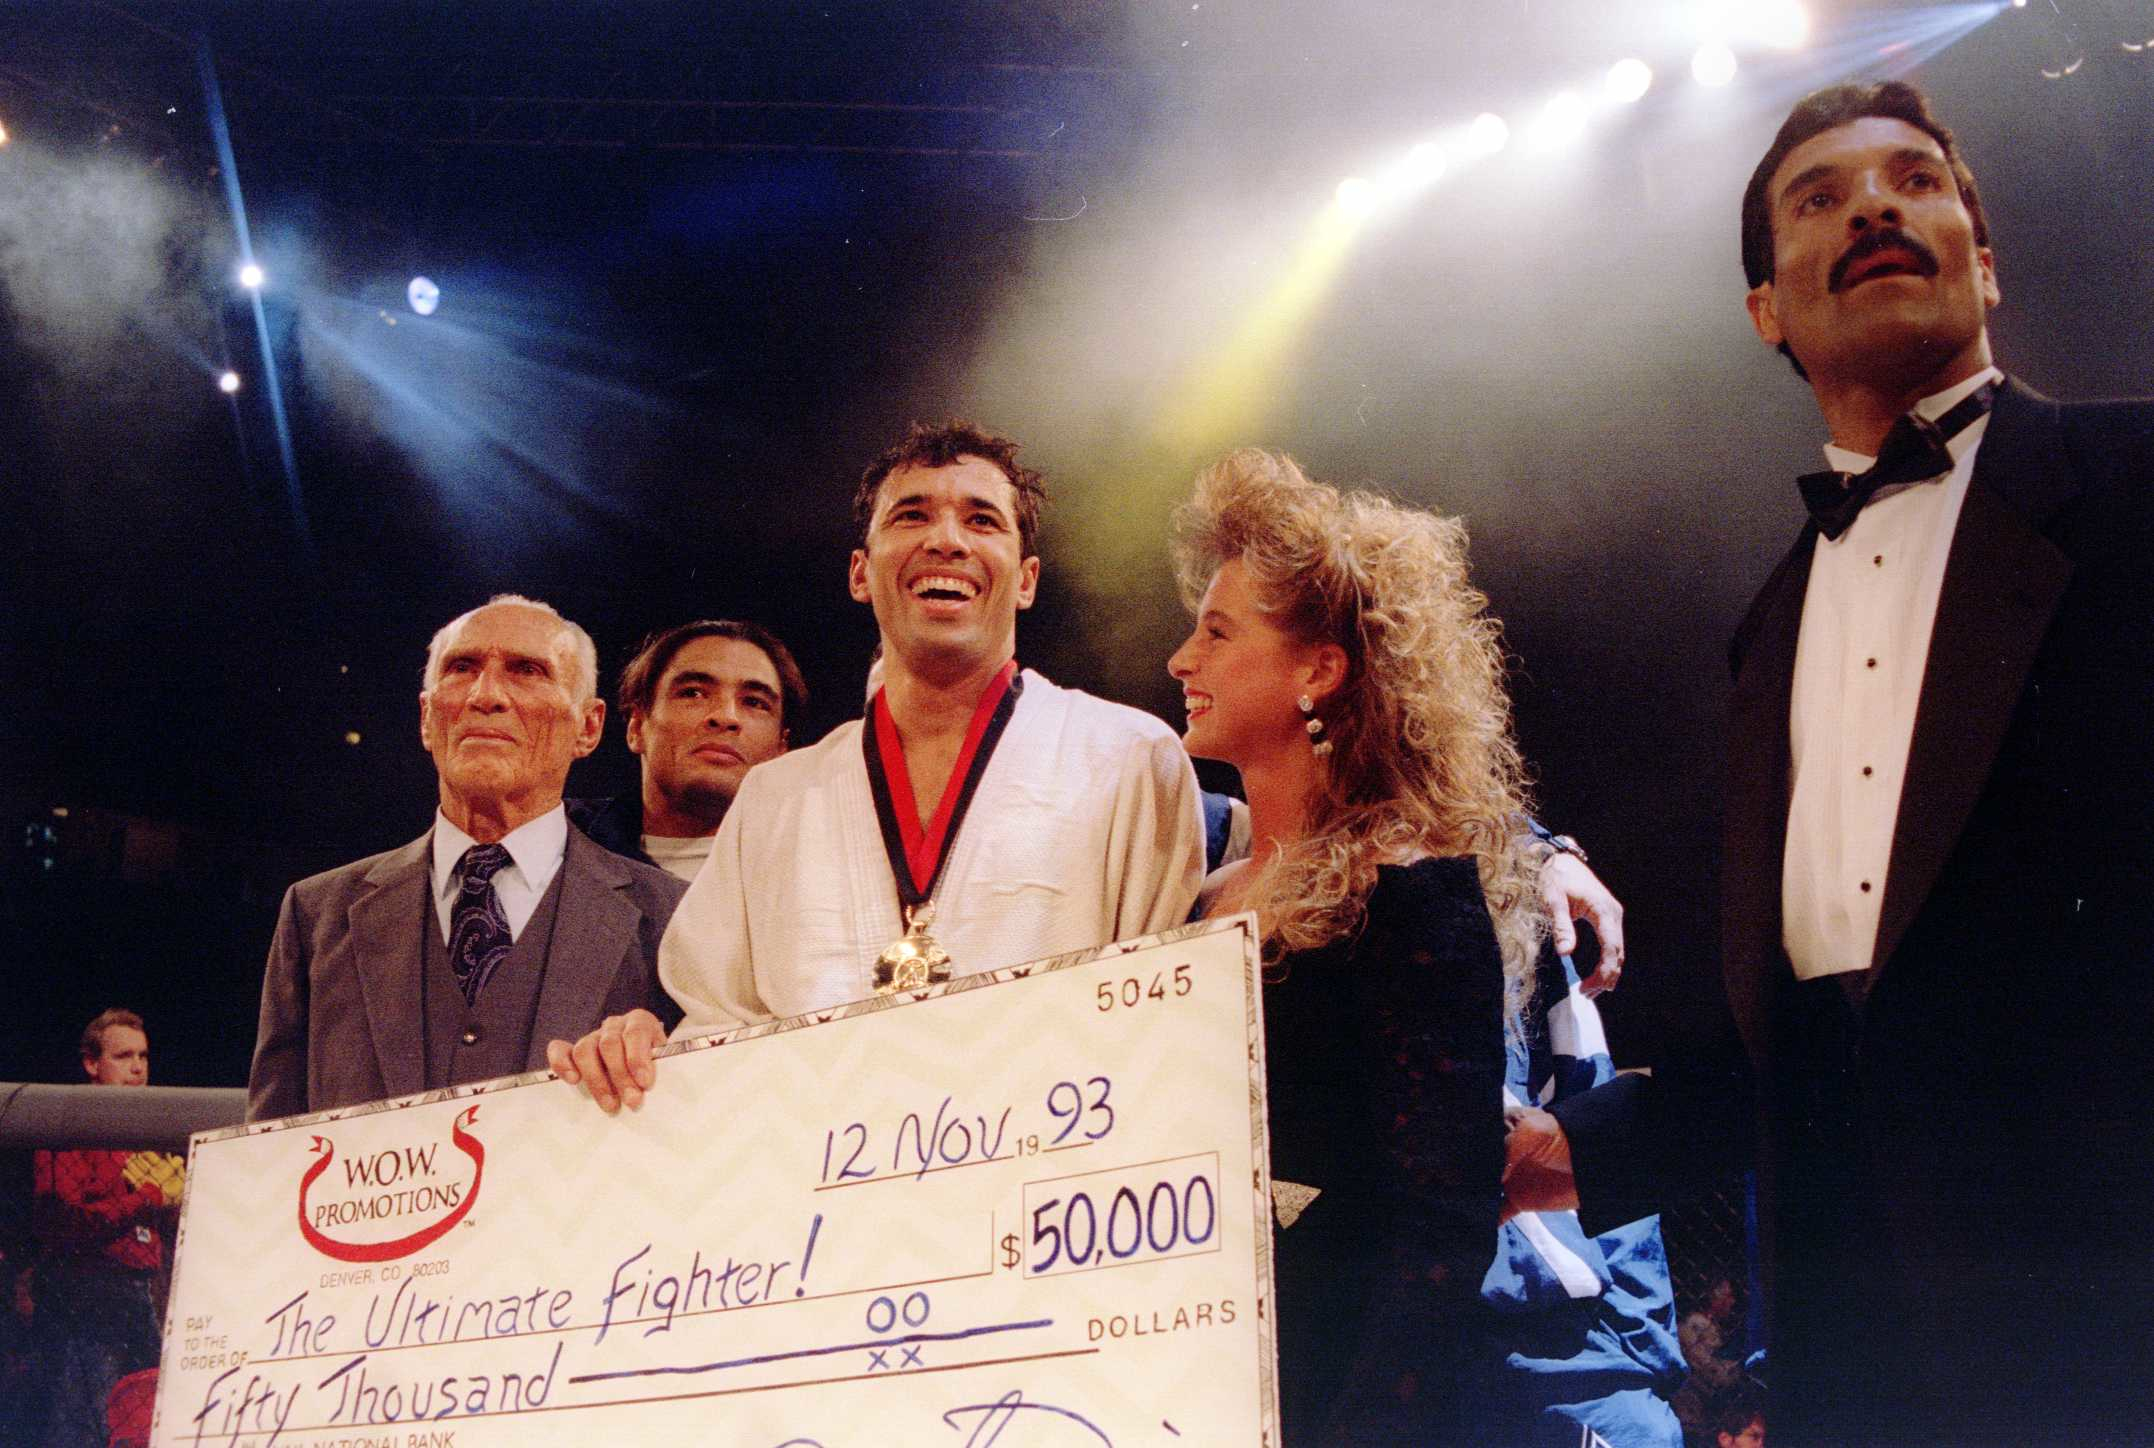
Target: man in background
[[99, 1216], [705, 703]]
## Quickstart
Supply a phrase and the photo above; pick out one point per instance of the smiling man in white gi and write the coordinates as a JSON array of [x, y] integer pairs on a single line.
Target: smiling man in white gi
[[979, 817]]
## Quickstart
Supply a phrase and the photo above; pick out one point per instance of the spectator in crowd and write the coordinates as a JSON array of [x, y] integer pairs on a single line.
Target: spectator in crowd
[[1707, 1349], [705, 703], [22, 1406], [1739, 1422], [99, 1216], [456, 957]]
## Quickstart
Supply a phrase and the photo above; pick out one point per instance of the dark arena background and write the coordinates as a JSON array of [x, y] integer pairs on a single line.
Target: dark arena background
[[688, 267]]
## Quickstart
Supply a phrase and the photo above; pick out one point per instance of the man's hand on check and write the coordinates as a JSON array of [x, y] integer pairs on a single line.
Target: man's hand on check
[[613, 1062]]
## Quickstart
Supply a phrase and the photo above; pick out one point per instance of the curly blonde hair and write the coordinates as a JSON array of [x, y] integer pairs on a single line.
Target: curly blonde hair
[[1423, 761]]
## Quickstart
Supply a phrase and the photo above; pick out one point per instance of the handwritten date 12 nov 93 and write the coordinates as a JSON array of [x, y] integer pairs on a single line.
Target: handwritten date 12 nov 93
[[924, 1141]]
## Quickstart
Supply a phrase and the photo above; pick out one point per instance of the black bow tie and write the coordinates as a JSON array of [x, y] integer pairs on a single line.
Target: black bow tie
[[1914, 451]]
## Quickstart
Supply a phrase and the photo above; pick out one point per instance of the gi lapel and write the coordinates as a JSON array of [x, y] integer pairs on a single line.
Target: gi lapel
[[594, 927], [1755, 826], [2002, 583], [384, 924]]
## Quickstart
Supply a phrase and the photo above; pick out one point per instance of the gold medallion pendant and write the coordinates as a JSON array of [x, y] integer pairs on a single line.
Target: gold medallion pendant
[[914, 960]]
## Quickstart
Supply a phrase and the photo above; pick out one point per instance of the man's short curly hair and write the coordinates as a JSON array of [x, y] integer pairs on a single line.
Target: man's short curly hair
[[940, 447]]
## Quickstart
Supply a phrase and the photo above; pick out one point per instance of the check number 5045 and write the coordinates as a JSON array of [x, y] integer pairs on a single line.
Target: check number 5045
[[1132, 991]]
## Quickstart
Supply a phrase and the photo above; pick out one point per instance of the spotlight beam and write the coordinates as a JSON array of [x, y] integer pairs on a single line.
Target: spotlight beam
[[228, 170]]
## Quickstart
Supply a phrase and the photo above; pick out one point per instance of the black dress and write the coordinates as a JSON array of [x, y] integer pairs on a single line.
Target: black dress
[[1384, 1064]]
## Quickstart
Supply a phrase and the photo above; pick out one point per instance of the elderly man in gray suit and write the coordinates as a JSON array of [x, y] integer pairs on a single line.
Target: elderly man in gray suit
[[458, 956]]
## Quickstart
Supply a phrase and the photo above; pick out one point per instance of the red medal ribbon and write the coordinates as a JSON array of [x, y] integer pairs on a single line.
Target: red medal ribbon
[[924, 847]]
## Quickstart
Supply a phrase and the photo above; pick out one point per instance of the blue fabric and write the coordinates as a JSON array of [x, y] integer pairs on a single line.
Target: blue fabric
[[1589, 1322], [1218, 823]]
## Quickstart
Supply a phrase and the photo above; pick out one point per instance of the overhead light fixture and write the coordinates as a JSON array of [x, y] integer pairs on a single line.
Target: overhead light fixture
[[251, 277], [1713, 65], [1488, 134], [423, 295], [1423, 164], [1356, 196], [1629, 79], [1783, 24], [228, 383], [1562, 121]]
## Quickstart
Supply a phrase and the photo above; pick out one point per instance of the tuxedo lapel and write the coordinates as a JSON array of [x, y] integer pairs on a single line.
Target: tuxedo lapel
[[1755, 826], [2002, 583], [392, 906], [593, 929]]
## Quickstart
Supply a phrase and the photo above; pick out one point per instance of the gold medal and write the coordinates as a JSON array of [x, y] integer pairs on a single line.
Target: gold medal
[[915, 960]]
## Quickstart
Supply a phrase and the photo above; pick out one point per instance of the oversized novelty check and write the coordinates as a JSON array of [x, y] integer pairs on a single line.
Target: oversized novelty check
[[1028, 1207]]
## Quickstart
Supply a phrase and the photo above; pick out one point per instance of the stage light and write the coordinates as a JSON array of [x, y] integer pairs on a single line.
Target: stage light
[[3, 135], [1783, 24], [1424, 165], [423, 295], [1713, 65], [228, 383], [251, 277], [1562, 121], [1487, 135], [1629, 79], [1356, 196]]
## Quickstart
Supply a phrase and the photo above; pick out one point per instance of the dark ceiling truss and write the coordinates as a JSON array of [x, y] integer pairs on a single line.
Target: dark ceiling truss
[[627, 122]]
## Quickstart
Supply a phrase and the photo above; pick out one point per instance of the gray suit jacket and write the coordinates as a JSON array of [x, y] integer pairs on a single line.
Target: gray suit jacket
[[341, 1007]]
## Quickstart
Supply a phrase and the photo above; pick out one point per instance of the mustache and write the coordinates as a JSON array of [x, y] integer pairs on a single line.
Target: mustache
[[1870, 243]]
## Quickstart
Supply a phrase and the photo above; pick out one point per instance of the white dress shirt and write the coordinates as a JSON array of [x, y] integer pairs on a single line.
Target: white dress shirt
[[536, 847], [1865, 642]]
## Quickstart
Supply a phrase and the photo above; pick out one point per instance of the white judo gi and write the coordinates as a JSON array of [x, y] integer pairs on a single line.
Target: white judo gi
[[1085, 830]]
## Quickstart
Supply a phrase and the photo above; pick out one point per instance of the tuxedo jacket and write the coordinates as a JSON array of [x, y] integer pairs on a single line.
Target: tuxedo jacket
[[342, 1016], [1965, 1128]]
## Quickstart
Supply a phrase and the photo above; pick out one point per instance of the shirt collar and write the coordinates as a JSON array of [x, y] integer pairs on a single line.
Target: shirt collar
[[536, 846], [1936, 405]]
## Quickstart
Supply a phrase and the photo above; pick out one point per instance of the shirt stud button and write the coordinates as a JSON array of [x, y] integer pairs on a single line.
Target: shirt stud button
[[1866, 887], [471, 1033]]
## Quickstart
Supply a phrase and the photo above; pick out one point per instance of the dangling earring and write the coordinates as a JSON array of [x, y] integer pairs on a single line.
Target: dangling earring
[[1318, 744]]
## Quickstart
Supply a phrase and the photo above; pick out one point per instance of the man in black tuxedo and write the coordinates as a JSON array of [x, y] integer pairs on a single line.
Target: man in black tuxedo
[[1939, 839], [1940, 830]]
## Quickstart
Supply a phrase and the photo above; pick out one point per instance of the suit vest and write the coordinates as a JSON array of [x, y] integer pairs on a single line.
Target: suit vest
[[493, 1036]]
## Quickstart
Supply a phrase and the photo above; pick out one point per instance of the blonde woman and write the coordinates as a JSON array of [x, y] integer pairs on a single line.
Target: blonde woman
[[1344, 663]]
